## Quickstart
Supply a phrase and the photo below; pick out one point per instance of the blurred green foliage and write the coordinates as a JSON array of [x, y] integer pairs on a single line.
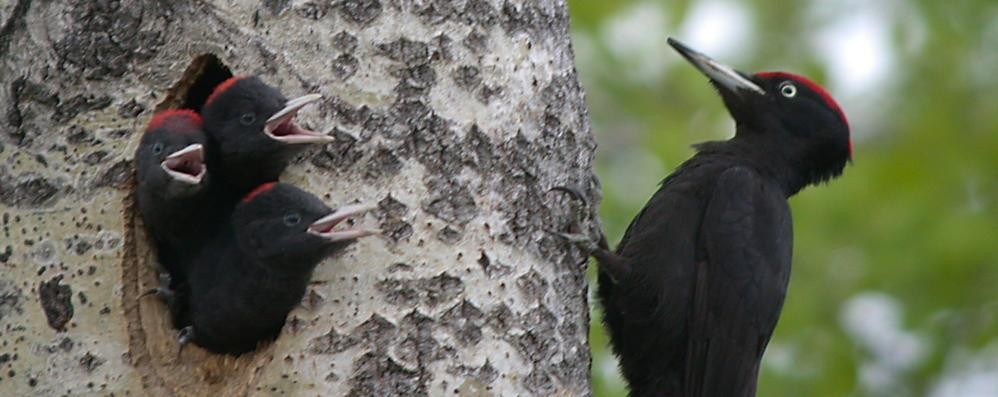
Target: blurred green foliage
[[914, 218]]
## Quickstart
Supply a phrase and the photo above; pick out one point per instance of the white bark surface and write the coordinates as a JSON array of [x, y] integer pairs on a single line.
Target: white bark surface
[[457, 116]]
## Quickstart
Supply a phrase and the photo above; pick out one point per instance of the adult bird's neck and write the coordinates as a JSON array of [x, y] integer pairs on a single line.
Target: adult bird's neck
[[763, 156]]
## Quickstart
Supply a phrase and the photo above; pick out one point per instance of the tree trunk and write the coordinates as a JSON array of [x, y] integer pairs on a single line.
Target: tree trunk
[[457, 116]]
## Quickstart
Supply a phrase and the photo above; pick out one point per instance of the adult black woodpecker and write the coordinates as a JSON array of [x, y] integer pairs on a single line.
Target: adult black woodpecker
[[695, 287], [253, 132], [172, 193], [245, 283]]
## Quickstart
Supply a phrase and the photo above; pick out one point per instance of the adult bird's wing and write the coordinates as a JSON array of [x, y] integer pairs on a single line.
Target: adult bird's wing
[[746, 240], [647, 305]]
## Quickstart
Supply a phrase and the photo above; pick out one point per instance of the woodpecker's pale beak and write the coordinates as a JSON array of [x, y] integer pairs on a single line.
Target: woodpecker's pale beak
[[722, 75], [282, 127], [186, 165], [324, 226]]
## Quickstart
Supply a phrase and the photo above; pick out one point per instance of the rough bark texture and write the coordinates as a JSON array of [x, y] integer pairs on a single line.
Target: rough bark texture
[[457, 116]]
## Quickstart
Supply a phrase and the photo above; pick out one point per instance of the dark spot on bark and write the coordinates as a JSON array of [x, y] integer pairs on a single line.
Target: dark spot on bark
[[493, 268], [415, 81], [361, 12], [10, 298], [95, 158], [464, 320], [533, 19], [77, 134], [480, 153], [275, 7], [539, 383], [312, 10], [15, 21], [377, 332], [398, 292], [343, 112], [534, 346], [56, 302], [485, 373], [409, 52], [430, 291], [390, 216], [441, 288], [7, 252], [345, 66], [106, 39], [449, 235], [486, 93], [331, 342], [419, 348], [131, 109], [479, 12], [541, 320], [477, 42], [332, 377], [29, 191], [65, 345], [533, 285], [440, 48], [500, 318], [341, 153], [568, 369], [90, 362], [383, 164], [450, 201], [115, 176], [467, 77], [4, 358], [67, 110], [399, 267], [345, 42], [377, 374], [392, 207], [434, 12]]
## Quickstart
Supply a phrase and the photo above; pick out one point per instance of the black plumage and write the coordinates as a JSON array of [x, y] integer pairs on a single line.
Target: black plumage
[[694, 290], [256, 270], [253, 133], [172, 196]]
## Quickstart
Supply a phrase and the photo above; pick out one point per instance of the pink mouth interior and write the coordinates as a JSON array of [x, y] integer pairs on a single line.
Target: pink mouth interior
[[286, 128], [185, 165]]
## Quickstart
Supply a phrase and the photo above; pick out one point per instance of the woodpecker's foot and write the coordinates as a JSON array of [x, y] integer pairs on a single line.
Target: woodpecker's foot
[[583, 242], [185, 337], [164, 293], [573, 192]]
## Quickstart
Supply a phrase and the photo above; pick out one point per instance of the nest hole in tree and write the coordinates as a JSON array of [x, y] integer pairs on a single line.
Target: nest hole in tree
[[204, 73]]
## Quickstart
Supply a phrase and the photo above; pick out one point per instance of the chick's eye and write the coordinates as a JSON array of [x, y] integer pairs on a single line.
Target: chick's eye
[[157, 148], [292, 219], [788, 90], [247, 118]]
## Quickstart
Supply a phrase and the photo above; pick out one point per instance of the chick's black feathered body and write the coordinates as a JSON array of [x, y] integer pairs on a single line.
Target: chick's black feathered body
[[173, 194], [695, 288], [255, 271], [253, 133]]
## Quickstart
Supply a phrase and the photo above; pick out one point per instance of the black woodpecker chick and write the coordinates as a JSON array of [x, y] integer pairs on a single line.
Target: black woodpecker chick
[[172, 192], [253, 132], [246, 282], [695, 288]]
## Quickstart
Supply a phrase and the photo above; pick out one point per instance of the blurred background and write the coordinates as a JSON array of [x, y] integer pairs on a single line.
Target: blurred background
[[894, 290]]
